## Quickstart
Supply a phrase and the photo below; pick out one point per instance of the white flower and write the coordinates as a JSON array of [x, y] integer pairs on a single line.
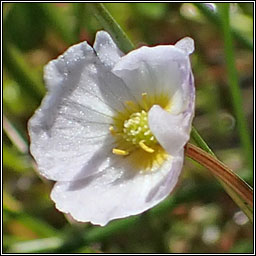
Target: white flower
[[112, 128]]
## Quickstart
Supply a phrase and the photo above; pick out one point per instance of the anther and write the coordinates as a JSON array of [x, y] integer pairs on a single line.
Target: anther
[[112, 130], [145, 147], [144, 95], [147, 132], [120, 152]]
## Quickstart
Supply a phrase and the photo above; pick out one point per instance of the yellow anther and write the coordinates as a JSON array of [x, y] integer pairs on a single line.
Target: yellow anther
[[120, 152], [145, 147], [144, 95], [112, 130]]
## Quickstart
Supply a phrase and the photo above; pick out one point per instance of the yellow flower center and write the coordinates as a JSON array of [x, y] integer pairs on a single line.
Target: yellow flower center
[[133, 135], [136, 130]]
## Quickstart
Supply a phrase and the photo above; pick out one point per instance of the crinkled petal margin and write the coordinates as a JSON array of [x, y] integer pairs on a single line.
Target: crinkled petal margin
[[117, 192], [70, 130]]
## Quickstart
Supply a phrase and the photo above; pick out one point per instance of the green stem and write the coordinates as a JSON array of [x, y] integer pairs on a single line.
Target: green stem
[[110, 25], [235, 90], [215, 19], [235, 184], [236, 198]]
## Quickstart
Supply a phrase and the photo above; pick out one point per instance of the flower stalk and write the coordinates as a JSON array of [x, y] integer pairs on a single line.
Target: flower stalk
[[242, 189]]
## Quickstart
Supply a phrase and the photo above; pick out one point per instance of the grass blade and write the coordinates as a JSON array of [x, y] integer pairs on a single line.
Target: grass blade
[[110, 25], [235, 90], [15, 136]]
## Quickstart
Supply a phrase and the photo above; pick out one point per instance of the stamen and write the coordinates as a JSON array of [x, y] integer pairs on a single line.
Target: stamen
[[145, 147], [120, 152], [112, 130], [131, 105], [144, 96]]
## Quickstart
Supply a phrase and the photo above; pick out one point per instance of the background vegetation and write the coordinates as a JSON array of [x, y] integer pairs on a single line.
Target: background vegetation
[[199, 217]]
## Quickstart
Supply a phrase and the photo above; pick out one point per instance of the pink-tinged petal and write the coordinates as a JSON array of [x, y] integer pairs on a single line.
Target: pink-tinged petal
[[117, 192]]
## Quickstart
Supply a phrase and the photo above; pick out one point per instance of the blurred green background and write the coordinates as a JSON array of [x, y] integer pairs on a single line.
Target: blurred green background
[[199, 217]]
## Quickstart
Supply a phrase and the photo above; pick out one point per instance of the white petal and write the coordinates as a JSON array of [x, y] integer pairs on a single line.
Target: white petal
[[211, 6], [117, 192], [71, 126], [106, 49], [171, 131], [73, 75], [153, 70], [186, 44]]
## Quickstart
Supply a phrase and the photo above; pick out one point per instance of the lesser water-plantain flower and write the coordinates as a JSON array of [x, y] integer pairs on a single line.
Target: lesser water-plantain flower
[[112, 127]]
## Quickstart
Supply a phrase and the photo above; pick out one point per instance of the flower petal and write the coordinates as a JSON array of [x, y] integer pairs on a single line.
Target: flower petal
[[71, 126], [106, 49], [154, 70], [171, 131], [186, 44], [70, 138], [117, 192]]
